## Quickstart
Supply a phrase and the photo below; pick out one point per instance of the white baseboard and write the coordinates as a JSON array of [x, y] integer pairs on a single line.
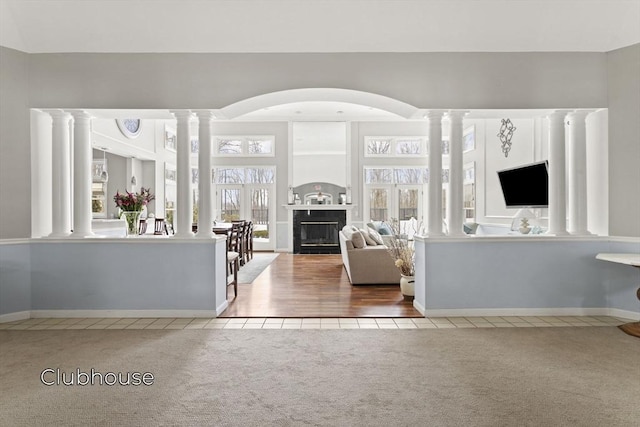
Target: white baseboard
[[419, 307], [12, 317], [493, 312], [222, 308], [121, 313], [625, 314]]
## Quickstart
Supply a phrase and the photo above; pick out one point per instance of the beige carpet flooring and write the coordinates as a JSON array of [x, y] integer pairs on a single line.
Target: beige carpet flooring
[[587, 376]]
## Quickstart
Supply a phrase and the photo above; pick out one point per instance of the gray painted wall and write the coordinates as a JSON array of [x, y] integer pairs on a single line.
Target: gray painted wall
[[15, 178], [623, 280], [524, 273], [426, 80], [623, 66], [15, 277], [125, 275]]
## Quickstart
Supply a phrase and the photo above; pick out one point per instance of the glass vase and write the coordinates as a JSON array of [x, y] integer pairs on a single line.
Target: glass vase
[[132, 218]]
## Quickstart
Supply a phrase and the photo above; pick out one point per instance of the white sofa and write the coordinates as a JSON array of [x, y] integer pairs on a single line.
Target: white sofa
[[369, 265]]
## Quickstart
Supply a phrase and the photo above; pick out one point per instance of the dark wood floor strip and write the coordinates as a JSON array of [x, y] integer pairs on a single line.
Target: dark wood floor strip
[[315, 286]]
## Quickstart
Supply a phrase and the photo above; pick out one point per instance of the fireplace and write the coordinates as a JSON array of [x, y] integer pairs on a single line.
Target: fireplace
[[316, 231]]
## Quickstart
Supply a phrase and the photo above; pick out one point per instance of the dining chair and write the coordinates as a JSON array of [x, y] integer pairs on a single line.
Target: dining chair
[[232, 258], [239, 229], [142, 227], [159, 227]]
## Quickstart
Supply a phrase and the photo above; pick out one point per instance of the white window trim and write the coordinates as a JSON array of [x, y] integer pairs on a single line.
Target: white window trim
[[392, 149], [244, 140]]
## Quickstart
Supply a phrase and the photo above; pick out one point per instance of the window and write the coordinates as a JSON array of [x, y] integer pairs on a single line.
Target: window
[[256, 175], [245, 145], [401, 146]]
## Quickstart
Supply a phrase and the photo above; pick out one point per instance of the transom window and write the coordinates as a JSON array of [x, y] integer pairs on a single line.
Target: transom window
[[254, 175], [394, 146], [245, 145]]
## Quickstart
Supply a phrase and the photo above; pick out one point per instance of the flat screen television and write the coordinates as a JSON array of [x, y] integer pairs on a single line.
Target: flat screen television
[[526, 186]]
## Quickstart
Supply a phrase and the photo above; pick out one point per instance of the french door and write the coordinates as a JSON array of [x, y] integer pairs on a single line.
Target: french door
[[254, 202], [394, 201]]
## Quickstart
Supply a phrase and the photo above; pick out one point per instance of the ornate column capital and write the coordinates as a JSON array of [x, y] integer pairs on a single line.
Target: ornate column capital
[[579, 114], [204, 114], [434, 114], [57, 113], [455, 115], [182, 114], [80, 114]]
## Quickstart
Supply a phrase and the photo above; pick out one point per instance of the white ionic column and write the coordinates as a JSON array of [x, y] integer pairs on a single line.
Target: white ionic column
[[557, 188], [205, 208], [184, 202], [61, 174], [578, 173], [434, 212], [82, 161], [455, 208]]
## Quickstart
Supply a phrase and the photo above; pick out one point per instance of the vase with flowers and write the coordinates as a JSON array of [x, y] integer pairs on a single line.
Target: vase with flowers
[[131, 205], [402, 250]]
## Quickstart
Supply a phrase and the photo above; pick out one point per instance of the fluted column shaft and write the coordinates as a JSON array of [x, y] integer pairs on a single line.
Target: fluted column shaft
[[455, 208], [61, 174], [184, 202], [82, 160], [557, 170], [434, 212], [578, 173], [205, 208]]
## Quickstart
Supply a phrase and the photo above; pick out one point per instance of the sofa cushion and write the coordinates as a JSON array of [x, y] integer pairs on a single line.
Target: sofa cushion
[[375, 236], [348, 231], [358, 240], [367, 238]]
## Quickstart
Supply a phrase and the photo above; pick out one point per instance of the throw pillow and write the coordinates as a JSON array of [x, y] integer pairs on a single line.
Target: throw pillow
[[347, 231], [385, 230], [358, 240], [370, 241], [376, 236]]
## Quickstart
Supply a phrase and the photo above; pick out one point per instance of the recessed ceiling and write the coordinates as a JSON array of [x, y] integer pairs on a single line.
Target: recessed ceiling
[[39, 26], [320, 111]]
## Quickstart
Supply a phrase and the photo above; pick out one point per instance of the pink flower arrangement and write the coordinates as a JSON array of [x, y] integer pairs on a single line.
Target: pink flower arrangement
[[132, 202]]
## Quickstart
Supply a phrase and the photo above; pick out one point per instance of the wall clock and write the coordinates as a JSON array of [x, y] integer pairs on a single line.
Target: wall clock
[[129, 127]]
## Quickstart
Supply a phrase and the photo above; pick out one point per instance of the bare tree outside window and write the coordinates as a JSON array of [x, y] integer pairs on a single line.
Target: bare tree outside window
[[259, 146], [378, 204], [378, 146], [408, 146], [229, 146]]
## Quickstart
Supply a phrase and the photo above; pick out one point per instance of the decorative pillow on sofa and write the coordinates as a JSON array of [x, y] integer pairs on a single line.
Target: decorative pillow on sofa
[[375, 236], [381, 227], [348, 231], [358, 240], [367, 238]]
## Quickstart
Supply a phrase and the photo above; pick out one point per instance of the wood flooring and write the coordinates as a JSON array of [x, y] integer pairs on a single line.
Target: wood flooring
[[314, 286]]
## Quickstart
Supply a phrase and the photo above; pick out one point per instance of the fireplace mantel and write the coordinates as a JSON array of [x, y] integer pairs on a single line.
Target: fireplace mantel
[[319, 207]]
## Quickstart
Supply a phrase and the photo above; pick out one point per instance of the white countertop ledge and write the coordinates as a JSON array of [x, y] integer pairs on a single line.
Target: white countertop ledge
[[319, 207], [124, 240], [509, 238]]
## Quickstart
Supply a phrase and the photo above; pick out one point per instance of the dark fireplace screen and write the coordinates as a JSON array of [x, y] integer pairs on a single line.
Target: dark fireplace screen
[[319, 233], [315, 232]]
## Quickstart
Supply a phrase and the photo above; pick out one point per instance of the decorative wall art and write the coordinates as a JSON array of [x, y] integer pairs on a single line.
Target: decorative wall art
[[506, 133]]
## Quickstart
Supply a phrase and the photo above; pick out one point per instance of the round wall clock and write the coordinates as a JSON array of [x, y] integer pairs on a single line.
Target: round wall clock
[[129, 127]]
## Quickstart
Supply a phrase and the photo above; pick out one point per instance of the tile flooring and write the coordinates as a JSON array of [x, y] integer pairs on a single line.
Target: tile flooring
[[315, 323]]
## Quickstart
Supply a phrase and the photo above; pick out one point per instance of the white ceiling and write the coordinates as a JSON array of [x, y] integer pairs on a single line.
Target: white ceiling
[[38, 26]]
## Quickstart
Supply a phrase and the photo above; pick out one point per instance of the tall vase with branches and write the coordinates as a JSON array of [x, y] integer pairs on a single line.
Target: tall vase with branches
[[402, 250]]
